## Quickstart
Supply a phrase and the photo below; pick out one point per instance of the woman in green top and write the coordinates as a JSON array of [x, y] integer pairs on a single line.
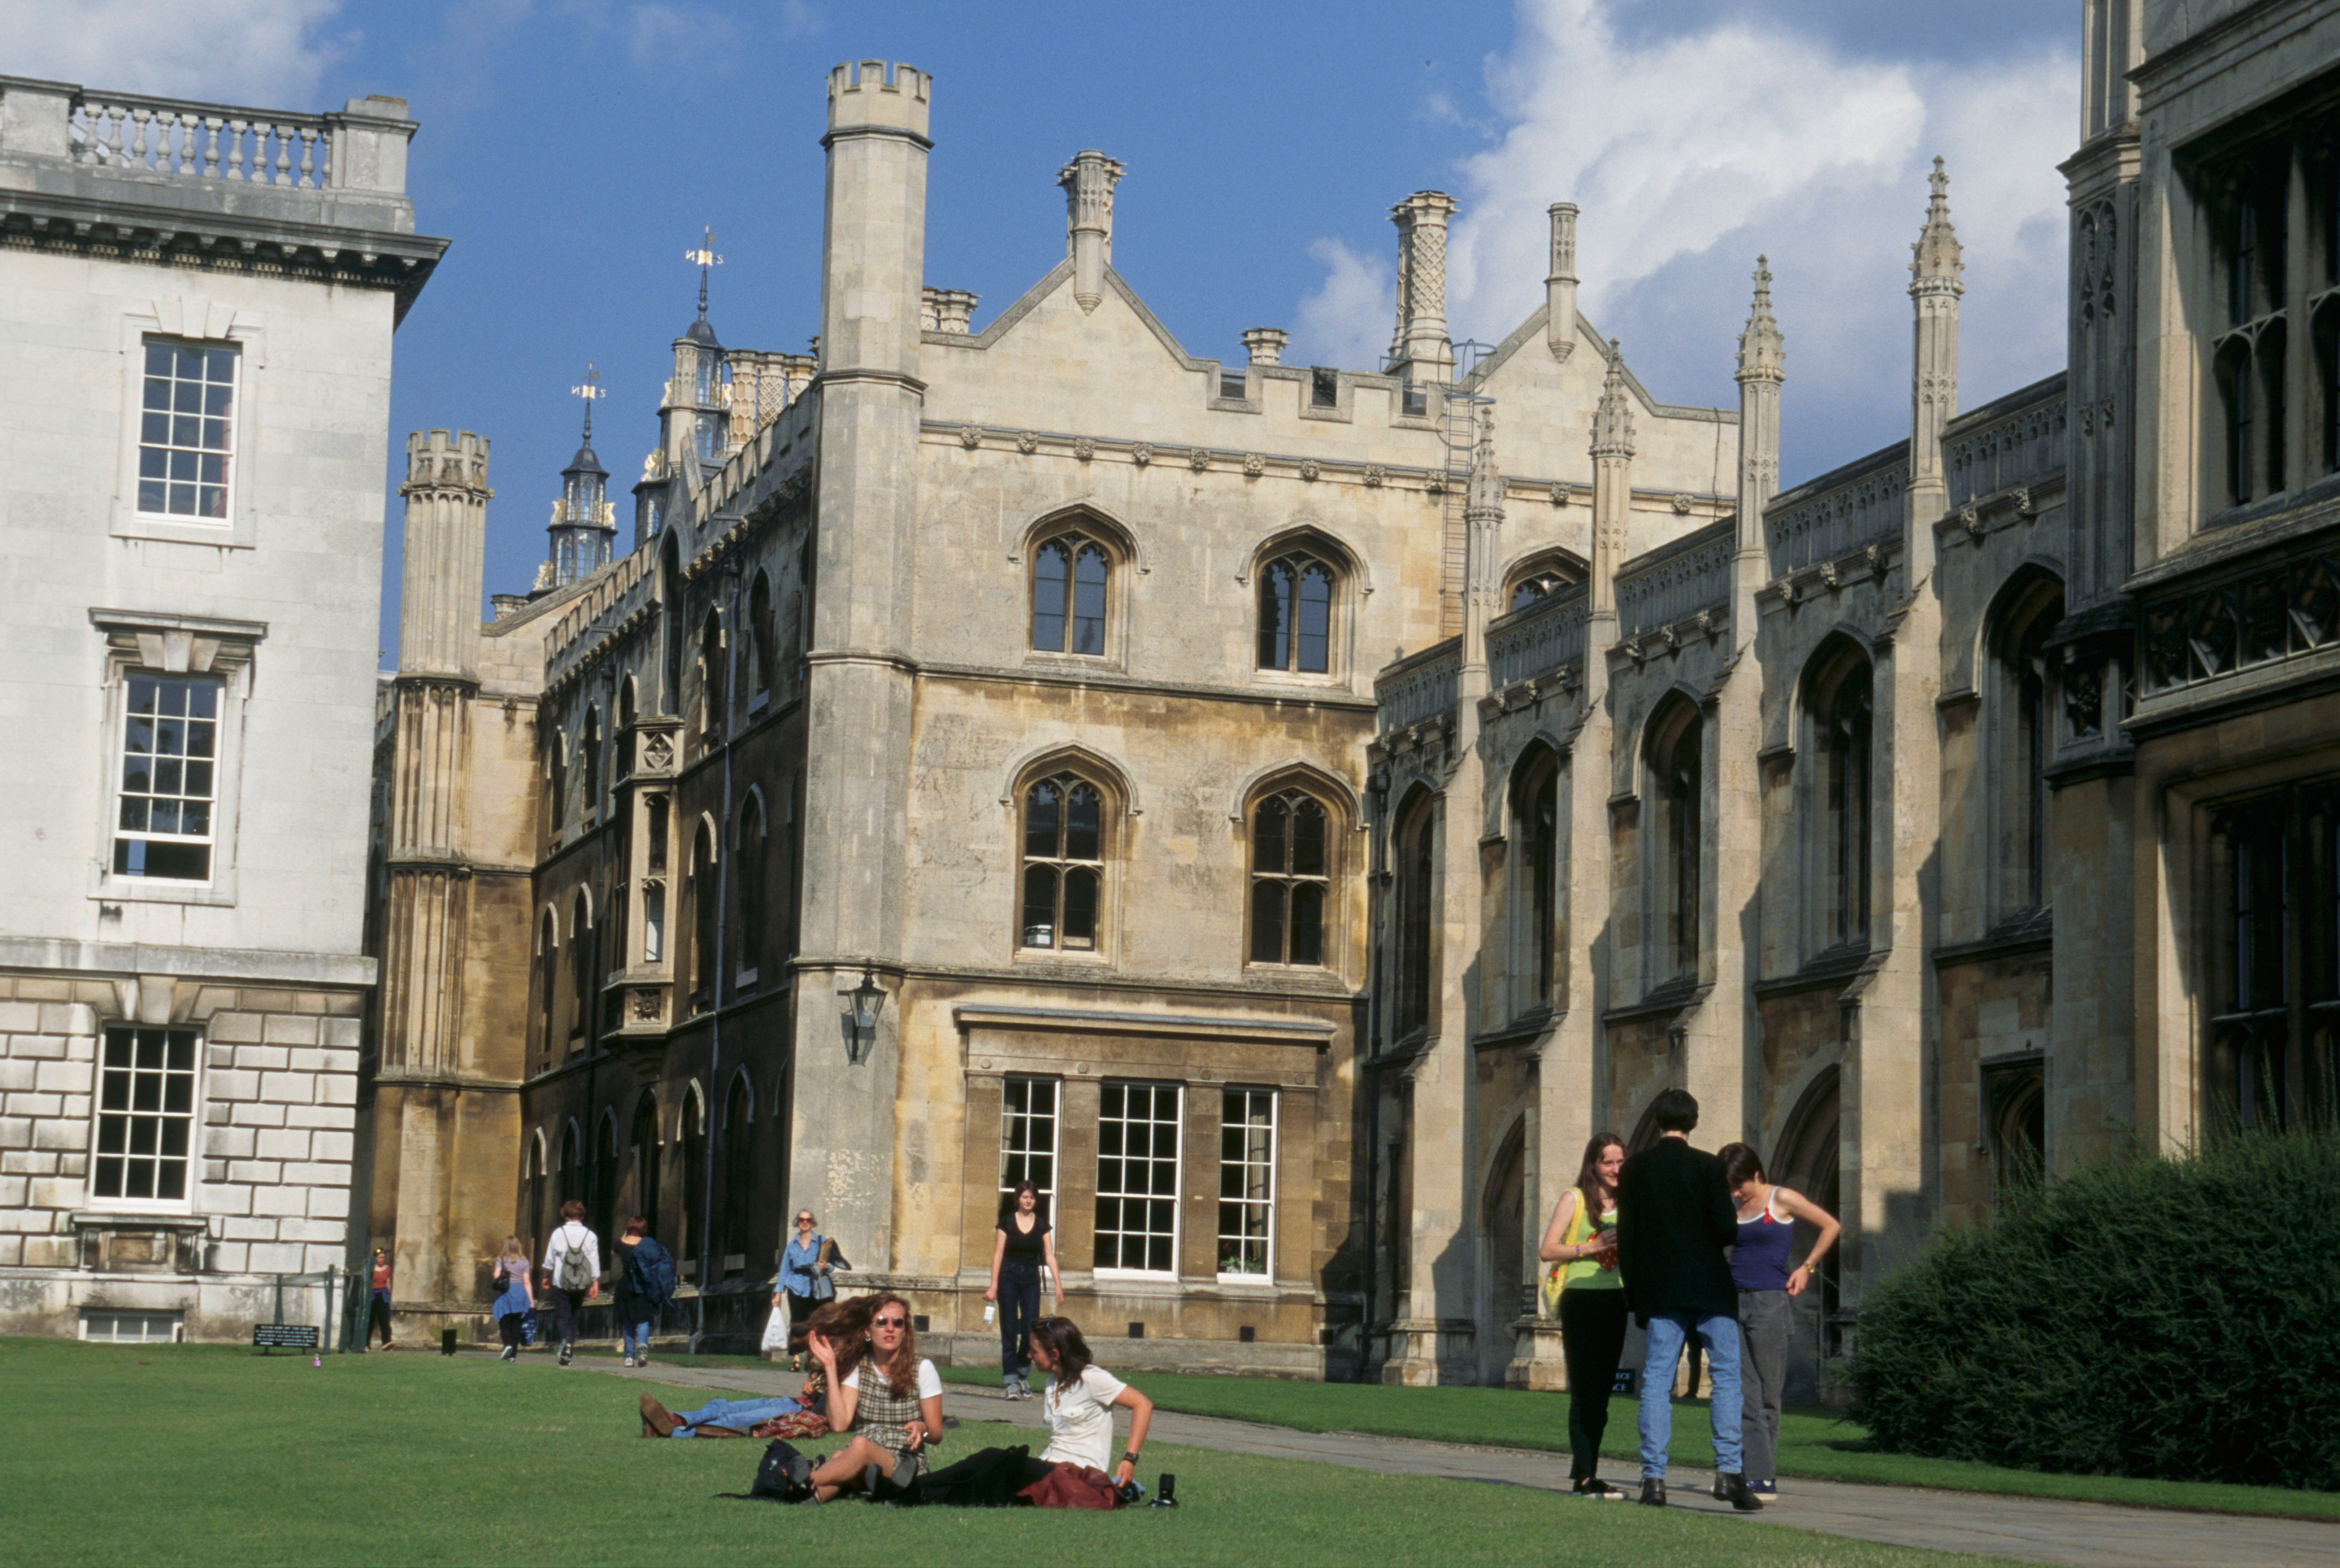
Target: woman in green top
[[1582, 1239]]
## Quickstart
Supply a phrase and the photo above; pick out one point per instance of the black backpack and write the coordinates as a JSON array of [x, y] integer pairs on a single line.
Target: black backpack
[[771, 1482]]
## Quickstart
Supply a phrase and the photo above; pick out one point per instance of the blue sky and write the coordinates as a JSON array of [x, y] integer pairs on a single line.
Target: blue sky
[[572, 150]]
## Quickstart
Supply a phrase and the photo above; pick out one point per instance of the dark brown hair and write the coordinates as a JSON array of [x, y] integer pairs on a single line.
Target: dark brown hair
[[846, 1326], [902, 1372], [572, 1209], [1588, 1174], [637, 1225], [1009, 1204], [1063, 1338], [1739, 1163]]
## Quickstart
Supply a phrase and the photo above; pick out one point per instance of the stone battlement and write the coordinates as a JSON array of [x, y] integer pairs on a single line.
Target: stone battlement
[[874, 94]]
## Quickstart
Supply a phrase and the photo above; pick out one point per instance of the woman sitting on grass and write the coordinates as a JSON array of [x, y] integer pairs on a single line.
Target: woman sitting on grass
[[1077, 1469], [880, 1390]]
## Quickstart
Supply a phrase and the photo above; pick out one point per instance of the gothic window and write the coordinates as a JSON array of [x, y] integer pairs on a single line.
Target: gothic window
[[703, 916], [759, 628], [1290, 878], [692, 1176], [2023, 741], [556, 782], [739, 1171], [537, 1191], [671, 625], [2251, 212], [1535, 826], [1070, 577], [146, 1114], [602, 1202], [1417, 868], [644, 1149], [1063, 864], [1677, 839], [548, 979], [186, 434], [613, 956], [164, 824], [588, 757], [572, 1169], [2273, 1056], [1539, 578], [1295, 613], [624, 739], [710, 672], [1837, 698], [750, 844], [580, 963]]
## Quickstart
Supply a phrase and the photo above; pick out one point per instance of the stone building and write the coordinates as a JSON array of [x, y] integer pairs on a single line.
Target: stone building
[[1284, 811], [1966, 810], [196, 305]]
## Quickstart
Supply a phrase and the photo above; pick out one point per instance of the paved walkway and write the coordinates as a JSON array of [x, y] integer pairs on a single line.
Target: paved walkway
[[2031, 1529]]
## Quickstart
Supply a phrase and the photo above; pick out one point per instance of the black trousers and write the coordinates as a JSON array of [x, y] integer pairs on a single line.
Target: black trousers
[[378, 1317], [513, 1326], [564, 1318], [1019, 1309], [1592, 1341], [801, 1309]]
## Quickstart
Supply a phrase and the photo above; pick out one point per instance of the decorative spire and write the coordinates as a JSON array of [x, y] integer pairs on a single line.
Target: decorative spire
[[1485, 494], [591, 388], [703, 256], [1936, 259], [1612, 419], [1762, 349]]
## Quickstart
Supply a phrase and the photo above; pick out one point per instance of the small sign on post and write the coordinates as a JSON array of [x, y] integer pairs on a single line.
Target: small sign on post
[[271, 1337]]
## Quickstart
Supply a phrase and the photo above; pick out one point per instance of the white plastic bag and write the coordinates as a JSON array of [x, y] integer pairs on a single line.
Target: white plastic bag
[[775, 1330]]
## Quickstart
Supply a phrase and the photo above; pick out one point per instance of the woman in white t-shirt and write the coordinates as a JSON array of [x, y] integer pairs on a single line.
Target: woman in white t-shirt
[[1079, 1404]]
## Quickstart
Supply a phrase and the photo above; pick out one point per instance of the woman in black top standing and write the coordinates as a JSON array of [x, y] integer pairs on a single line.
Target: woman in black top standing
[[1022, 1249]]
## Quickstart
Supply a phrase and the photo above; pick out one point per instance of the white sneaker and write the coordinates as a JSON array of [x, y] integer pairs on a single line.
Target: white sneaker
[[511, 1354], [629, 1361]]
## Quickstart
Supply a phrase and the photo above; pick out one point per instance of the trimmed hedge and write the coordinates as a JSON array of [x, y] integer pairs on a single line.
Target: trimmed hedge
[[2173, 1318]]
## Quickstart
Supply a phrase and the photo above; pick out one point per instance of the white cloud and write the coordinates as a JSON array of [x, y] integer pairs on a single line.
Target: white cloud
[[270, 54], [1689, 155], [1347, 322]]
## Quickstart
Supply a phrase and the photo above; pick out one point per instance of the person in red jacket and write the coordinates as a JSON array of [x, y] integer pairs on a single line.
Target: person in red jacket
[[1675, 1215]]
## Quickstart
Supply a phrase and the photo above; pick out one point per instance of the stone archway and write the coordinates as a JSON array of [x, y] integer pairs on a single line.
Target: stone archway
[[1807, 1161], [1502, 1220]]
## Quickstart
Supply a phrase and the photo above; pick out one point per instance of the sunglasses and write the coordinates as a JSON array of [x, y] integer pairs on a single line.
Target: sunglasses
[[890, 1323], [803, 1219]]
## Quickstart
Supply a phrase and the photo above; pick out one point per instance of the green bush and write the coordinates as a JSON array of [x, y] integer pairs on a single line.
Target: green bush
[[2177, 1318]]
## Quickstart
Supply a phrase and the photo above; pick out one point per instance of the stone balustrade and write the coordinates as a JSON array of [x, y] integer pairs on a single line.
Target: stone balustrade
[[201, 140], [1421, 687], [1538, 639], [2016, 440], [1676, 580], [1840, 513]]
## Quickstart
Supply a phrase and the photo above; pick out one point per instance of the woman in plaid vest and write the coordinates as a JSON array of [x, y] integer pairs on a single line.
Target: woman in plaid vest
[[891, 1402]]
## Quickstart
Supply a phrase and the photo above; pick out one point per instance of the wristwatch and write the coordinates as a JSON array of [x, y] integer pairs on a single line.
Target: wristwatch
[[1127, 1457]]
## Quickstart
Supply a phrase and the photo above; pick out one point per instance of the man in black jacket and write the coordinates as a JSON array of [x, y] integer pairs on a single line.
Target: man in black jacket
[[1674, 1219]]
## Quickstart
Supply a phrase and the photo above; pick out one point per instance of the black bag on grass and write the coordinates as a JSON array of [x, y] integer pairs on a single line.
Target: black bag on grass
[[771, 1482]]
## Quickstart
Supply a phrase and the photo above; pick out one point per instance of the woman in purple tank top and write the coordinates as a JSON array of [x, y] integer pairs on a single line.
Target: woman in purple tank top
[[1760, 1267]]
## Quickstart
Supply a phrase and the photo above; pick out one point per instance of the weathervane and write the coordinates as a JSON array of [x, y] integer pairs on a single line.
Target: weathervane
[[704, 256], [591, 388]]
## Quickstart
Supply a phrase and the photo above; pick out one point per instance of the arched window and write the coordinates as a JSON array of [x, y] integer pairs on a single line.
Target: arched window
[[759, 628], [692, 1176], [536, 1192], [624, 767], [1063, 864], [2025, 740], [1839, 698], [1677, 799], [1416, 857], [589, 759], [710, 672], [703, 914], [1070, 576], [749, 844], [1535, 828], [571, 1175], [603, 1203], [556, 781], [671, 624], [1539, 578], [580, 966], [1290, 878], [1295, 613], [739, 1170], [548, 979], [643, 1147]]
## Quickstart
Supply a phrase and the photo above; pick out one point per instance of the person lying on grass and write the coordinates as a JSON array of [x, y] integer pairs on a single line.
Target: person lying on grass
[[891, 1403]]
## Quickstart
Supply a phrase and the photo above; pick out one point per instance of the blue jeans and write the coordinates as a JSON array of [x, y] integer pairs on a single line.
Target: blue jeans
[[635, 1336], [1019, 1309], [1719, 1332], [740, 1413]]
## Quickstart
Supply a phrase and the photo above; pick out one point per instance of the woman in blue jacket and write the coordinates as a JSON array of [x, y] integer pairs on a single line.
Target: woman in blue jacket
[[804, 1283]]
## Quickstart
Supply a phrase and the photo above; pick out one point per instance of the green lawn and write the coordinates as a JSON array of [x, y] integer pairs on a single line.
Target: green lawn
[[212, 1454], [1813, 1442]]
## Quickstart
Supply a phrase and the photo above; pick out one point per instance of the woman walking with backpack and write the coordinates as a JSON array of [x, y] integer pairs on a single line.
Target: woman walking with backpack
[[573, 1259], [643, 1278]]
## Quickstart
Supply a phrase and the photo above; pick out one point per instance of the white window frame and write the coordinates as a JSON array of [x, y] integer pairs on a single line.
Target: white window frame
[[1275, 1116], [1177, 1171], [231, 418], [172, 1323], [1009, 1118], [143, 642], [194, 322], [194, 1118]]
